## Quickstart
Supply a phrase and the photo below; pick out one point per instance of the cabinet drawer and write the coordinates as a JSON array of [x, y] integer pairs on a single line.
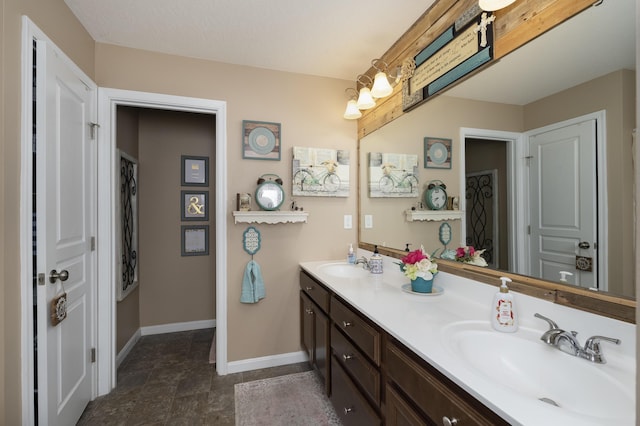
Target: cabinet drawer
[[366, 338], [362, 371], [352, 408], [315, 290], [433, 393]]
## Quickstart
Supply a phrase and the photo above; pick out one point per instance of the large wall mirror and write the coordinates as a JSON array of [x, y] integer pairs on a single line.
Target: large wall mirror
[[582, 71]]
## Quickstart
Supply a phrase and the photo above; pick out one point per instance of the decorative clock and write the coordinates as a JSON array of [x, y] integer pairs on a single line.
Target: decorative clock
[[269, 194], [435, 196]]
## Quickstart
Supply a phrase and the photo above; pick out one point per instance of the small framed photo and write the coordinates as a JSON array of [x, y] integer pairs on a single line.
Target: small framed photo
[[194, 205], [195, 171], [437, 153], [195, 240], [261, 140]]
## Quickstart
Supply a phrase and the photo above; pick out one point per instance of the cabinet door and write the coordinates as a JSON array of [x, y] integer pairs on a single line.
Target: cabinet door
[[399, 412], [321, 347], [307, 326]]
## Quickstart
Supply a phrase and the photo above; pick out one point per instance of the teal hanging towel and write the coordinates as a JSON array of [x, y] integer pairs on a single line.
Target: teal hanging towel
[[252, 284]]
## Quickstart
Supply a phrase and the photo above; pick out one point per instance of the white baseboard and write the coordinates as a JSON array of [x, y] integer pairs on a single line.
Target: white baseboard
[[266, 362], [177, 326], [127, 348]]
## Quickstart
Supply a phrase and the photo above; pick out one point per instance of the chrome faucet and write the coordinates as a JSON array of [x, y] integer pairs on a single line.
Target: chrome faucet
[[567, 342], [365, 263]]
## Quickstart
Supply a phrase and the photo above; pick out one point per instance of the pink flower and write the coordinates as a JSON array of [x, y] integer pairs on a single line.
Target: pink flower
[[414, 257], [460, 252]]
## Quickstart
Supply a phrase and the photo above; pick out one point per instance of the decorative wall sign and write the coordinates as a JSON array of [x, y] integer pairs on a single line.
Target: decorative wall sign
[[251, 240], [194, 205], [261, 140], [320, 172], [437, 153], [194, 240], [458, 51], [195, 171], [393, 175], [58, 309]]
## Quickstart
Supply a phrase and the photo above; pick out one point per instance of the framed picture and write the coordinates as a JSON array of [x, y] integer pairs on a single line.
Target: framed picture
[[194, 205], [393, 175], [320, 172], [437, 153], [261, 140], [194, 240], [195, 171]]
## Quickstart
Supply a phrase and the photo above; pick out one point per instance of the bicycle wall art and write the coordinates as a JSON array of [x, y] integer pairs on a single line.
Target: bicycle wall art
[[393, 175], [320, 172]]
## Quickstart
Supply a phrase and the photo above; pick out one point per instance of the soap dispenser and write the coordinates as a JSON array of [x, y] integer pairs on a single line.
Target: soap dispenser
[[503, 311], [351, 256], [375, 263]]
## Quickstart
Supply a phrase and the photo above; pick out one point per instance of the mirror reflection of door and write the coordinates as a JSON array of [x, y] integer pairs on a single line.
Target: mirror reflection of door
[[563, 202], [486, 206]]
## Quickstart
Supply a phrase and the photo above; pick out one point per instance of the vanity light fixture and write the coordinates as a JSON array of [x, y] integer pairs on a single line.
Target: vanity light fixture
[[365, 99], [352, 112], [381, 87], [491, 5]]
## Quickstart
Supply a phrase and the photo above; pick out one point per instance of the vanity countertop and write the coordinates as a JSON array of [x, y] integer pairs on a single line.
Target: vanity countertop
[[424, 323]]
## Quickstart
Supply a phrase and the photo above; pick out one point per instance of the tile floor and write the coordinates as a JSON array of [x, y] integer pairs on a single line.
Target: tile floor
[[167, 380]]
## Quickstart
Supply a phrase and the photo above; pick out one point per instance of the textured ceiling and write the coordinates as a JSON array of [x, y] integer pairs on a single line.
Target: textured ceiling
[[330, 38], [338, 38]]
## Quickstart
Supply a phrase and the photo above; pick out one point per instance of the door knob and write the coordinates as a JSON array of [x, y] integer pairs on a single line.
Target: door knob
[[55, 275], [584, 245]]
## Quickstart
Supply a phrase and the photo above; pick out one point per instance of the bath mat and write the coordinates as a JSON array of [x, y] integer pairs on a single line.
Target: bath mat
[[292, 400]]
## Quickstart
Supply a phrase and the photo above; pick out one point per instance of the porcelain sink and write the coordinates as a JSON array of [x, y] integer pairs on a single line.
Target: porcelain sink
[[537, 372], [344, 270]]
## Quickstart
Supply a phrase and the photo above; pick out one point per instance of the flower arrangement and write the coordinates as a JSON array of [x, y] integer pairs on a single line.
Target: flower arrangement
[[470, 255], [419, 264]]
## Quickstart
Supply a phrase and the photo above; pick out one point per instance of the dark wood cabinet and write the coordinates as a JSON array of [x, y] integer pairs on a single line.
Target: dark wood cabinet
[[315, 326], [372, 378]]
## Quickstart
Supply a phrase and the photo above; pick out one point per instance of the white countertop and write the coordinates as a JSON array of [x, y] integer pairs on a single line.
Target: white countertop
[[418, 322]]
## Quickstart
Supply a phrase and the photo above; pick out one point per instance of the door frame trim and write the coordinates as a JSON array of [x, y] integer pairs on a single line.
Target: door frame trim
[[31, 33], [108, 100]]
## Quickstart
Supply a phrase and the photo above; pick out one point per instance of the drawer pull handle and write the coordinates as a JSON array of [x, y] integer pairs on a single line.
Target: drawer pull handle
[[346, 324], [308, 288], [348, 410], [309, 311], [446, 421], [347, 357]]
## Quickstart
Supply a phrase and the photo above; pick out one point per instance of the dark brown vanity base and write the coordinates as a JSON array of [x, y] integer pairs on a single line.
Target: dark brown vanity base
[[373, 379]]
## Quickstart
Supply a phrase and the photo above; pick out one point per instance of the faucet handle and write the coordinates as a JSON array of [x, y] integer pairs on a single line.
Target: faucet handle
[[593, 343], [552, 324]]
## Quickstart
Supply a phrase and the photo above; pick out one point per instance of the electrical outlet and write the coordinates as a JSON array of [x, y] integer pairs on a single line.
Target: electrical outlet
[[368, 221], [348, 221]]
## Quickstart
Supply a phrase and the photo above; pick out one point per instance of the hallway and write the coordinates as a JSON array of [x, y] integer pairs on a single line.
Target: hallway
[[167, 380]]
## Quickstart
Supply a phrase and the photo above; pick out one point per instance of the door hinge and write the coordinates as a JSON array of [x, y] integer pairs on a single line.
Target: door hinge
[[528, 229], [94, 129], [41, 279], [93, 243], [93, 355]]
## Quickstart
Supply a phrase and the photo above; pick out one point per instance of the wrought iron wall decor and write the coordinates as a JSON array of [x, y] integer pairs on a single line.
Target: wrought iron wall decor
[[128, 226], [482, 213]]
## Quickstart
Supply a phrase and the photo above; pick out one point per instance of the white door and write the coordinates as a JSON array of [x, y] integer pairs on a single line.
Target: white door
[[65, 200], [563, 203]]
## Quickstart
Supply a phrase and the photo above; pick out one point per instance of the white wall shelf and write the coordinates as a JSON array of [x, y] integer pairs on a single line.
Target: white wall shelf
[[270, 217], [433, 215]]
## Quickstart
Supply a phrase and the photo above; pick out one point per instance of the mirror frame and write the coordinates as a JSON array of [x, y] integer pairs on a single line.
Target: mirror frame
[[515, 26]]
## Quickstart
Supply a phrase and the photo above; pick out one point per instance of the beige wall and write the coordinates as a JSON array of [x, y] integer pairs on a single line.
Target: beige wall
[[54, 18], [173, 288], [613, 93], [310, 111], [441, 117]]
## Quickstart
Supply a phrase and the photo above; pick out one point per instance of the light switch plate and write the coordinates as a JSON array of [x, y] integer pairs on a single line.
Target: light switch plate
[[348, 221], [368, 221]]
